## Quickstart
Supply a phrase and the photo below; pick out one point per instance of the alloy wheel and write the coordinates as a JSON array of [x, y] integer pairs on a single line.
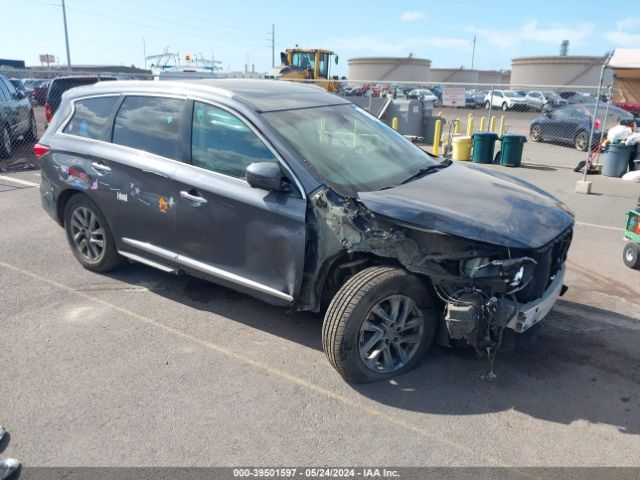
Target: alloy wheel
[[87, 234], [391, 334], [581, 141]]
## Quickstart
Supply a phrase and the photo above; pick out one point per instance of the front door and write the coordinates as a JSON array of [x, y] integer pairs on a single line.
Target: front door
[[250, 239]]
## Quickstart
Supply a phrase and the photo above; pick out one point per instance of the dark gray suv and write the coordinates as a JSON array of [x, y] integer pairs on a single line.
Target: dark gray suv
[[16, 118], [298, 197]]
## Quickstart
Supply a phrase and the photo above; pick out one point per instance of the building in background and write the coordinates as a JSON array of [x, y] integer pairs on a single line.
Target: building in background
[[389, 69], [558, 70]]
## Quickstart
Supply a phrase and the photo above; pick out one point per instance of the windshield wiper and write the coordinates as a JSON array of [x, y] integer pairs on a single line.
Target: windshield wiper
[[428, 169]]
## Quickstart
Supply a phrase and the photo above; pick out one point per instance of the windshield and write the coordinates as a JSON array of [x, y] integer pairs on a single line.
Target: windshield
[[348, 148]]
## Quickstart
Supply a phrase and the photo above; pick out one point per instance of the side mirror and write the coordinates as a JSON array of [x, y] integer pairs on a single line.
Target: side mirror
[[264, 175]]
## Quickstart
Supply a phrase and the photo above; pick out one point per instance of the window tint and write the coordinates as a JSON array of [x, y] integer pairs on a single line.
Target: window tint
[[222, 143], [151, 124], [90, 118], [497, 94], [13, 93]]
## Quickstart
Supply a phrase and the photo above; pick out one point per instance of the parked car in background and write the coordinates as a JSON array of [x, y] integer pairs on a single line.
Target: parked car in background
[[40, 92], [424, 94], [60, 85], [233, 181], [544, 100], [504, 99], [474, 98], [571, 124], [351, 90], [16, 117]]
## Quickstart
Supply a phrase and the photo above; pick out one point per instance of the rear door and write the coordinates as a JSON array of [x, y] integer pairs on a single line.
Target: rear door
[[145, 149], [247, 238], [17, 112]]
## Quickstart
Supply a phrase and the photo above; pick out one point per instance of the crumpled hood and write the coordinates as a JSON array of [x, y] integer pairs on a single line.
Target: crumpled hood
[[475, 203]]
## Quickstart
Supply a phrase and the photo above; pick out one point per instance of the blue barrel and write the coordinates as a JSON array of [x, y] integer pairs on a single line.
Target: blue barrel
[[616, 159]]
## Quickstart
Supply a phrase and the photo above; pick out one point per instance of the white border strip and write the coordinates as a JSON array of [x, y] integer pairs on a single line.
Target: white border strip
[[21, 182]]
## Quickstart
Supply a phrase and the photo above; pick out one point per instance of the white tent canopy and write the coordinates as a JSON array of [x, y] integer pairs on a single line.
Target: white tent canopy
[[624, 58]]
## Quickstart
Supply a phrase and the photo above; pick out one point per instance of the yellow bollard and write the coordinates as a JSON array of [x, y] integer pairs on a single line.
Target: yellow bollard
[[469, 125], [501, 126], [439, 114], [394, 123], [482, 124], [436, 137], [456, 126], [492, 123]]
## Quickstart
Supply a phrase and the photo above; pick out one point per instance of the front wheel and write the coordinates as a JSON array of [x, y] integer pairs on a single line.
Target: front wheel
[[631, 255], [379, 324], [581, 141], [487, 105], [505, 107]]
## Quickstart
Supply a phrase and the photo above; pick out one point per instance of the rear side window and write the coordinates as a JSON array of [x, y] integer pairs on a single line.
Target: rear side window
[[90, 118], [223, 143], [151, 124]]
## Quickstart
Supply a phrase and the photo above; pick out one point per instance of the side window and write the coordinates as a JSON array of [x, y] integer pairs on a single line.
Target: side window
[[5, 90], [3, 95], [90, 118], [561, 113], [151, 124], [222, 143], [13, 93], [497, 94]]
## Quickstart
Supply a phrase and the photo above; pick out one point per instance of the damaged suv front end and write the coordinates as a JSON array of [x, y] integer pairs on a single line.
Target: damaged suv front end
[[490, 247]]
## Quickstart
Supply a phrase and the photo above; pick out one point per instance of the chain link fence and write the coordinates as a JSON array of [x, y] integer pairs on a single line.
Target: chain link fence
[[432, 114]]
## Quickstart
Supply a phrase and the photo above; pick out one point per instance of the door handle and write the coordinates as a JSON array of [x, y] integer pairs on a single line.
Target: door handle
[[193, 198], [155, 172], [100, 167]]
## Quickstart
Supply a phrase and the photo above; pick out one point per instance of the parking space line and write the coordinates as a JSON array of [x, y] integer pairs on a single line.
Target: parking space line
[[254, 363], [585, 224], [17, 180]]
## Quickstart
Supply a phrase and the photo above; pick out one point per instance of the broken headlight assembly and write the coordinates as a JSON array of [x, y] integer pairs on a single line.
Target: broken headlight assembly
[[502, 276]]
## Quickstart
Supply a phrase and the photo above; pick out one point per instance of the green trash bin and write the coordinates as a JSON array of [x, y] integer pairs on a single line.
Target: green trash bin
[[483, 145], [511, 146]]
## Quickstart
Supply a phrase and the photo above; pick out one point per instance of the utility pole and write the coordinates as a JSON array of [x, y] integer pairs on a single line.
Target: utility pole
[[144, 52], [273, 45], [473, 52], [66, 36]]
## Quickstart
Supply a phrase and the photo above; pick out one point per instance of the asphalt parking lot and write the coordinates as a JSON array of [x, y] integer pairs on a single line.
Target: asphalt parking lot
[[141, 368]]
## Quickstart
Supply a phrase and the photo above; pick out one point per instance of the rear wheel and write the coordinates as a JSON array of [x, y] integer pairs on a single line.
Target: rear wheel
[[535, 133], [581, 141], [89, 235], [379, 324], [6, 147], [631, 255]]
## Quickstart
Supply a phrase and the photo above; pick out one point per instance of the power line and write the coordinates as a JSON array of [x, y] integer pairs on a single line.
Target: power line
[[165, 20]]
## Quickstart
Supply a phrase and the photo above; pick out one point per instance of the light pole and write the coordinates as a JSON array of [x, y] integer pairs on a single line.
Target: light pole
[[66, 36]]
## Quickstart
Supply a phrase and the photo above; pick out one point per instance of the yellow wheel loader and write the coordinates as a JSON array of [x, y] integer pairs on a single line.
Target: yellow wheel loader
[[308, 64]]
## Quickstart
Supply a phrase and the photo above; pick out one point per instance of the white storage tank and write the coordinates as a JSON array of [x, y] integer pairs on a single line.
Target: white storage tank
[[390, 69], [558, 70]]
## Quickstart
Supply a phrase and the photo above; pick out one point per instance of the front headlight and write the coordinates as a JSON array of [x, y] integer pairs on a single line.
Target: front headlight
[[508, 275]]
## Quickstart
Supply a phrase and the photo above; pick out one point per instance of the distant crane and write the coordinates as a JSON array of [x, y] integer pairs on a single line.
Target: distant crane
[[163, 59]]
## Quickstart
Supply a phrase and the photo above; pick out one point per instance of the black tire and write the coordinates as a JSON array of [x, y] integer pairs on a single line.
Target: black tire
[[32, 134], [353, 304], [109, 258], [631, 255], [505, 107], [6, 142], [535, 133], [581, 142], [487, 105]]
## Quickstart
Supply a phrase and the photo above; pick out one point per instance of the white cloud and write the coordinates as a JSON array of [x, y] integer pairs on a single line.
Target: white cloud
[[623, 36], [628, 24], [530, 32], [412, 16]]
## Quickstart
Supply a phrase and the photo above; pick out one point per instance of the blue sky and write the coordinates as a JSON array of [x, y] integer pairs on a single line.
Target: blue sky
[[237, 32]]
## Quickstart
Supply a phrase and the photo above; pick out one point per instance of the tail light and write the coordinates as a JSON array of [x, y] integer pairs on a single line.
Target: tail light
[[48, 113], [39, 150]]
